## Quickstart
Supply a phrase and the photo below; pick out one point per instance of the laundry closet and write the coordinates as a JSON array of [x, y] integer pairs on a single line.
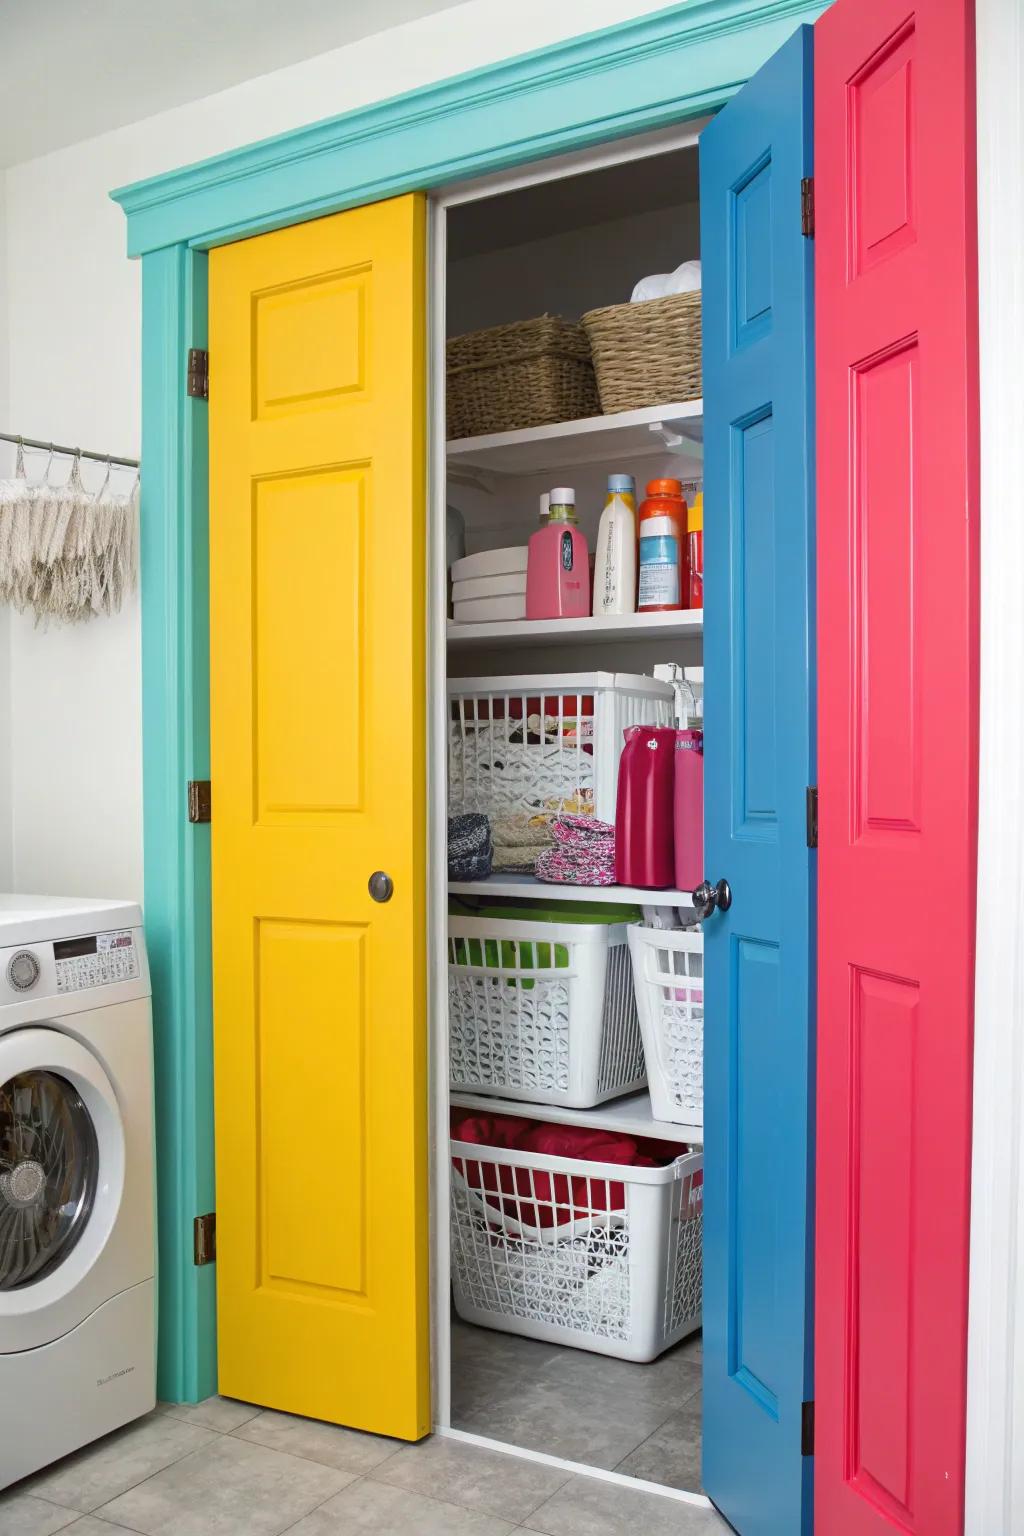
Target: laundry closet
[[569, 1048], [665, 1178], [576, 1322]]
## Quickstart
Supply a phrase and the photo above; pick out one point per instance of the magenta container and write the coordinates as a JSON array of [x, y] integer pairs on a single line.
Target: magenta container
[[644, 851], [689, 809]]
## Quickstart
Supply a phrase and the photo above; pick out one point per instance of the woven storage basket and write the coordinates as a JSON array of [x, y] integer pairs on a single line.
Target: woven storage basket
[[522, 375], [647, 353]]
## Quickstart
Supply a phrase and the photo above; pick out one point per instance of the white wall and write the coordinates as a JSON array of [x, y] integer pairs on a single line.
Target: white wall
[[73, 309]]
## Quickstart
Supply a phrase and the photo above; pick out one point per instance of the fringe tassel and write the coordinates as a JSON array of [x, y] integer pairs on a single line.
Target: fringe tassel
[[66, 554]]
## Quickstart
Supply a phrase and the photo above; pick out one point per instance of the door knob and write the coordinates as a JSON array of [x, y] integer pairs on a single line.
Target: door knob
[[380, 886], [707, 897]]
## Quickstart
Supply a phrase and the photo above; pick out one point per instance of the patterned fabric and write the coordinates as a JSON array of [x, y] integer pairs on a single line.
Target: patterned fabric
[[584, 853], [519, 840], [469, 847]]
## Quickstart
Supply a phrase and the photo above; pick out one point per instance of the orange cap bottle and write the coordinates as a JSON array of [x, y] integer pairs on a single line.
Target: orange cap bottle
[[662, 582]]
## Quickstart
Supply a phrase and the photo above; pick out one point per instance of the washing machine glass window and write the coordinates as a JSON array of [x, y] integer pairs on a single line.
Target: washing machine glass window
[[49, 1160]]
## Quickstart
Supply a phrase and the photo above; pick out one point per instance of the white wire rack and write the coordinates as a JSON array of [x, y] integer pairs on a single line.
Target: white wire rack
[[668, 974]]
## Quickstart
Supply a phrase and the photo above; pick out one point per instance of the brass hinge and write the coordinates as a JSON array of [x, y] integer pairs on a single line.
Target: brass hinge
[[812, 816], [807, 1429], [197, 386], [204, 1238], [807, 206], [198, 800]]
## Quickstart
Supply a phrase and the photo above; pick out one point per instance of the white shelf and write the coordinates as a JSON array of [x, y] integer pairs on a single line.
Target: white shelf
[[685, 625], [631, 1114], [528, 887], [676, 429]]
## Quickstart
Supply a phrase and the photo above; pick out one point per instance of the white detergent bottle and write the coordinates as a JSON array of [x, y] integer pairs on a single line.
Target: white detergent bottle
[[615, 562]]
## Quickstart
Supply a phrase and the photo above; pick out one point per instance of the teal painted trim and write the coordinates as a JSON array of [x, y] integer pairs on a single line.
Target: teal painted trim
[[644, 74], [176, 747]]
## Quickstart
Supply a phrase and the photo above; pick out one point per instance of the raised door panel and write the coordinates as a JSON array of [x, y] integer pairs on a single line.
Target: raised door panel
[[758, 763], [897, 650], [318, 766]]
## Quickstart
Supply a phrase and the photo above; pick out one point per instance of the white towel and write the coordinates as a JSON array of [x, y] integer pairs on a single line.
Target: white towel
[[685, 279]]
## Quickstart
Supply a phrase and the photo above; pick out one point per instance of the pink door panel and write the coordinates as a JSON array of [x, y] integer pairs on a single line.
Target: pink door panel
[[897, 751]]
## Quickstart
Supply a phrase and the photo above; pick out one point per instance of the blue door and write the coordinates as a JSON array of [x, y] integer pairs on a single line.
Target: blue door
[[759, 761]]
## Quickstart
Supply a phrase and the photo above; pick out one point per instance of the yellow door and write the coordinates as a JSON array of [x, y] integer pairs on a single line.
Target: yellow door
[[317, 667]]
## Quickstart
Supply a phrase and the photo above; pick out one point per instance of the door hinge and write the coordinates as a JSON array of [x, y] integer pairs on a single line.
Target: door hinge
[[197, 386], [812, 815], [807, 1429], [204, 1238], [198, 800], [807, 206]]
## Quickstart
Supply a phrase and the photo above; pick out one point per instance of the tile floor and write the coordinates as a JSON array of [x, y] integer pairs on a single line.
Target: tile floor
[[642, 1420], [224, 1468]]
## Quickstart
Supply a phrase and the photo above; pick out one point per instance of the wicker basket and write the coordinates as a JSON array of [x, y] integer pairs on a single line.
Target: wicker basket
[[522, 375], [646, 353]]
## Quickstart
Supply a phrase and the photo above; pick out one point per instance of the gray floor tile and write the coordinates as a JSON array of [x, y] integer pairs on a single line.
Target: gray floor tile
[[230, 1488], [479, 1479], [490, 1347], [220, 1413], [387, 1511], [92, 1525], [669, 1381], [22, 1514], [588, 1507], [541, 1413], [98, 1472], [672, 1454], [348, 1449]]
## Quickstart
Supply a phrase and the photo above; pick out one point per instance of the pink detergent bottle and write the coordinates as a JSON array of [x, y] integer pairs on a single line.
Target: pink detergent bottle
[[643, 813], [558, 564]]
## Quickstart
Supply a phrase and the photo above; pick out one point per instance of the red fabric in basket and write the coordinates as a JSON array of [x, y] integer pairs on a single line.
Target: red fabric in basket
[[541, 1199]]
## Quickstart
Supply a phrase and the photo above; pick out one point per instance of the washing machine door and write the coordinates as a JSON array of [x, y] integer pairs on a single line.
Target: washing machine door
[[61, 1183]]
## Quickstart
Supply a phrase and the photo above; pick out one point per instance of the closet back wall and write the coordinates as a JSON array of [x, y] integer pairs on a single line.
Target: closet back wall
[[72, 308]]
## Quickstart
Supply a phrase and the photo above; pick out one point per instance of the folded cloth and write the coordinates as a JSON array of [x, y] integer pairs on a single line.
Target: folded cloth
[[518, 860], [685, 279], [584, 853], [519, 840], [470, 850]]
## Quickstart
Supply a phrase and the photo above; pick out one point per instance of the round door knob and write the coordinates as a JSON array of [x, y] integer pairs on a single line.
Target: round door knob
[[707, 897], [23, 970], [380, 886]]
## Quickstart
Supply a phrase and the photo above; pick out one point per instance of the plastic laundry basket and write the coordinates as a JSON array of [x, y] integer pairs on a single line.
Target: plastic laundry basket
[[545, 743], [605, 1257], [668, 975], [542, 1011]]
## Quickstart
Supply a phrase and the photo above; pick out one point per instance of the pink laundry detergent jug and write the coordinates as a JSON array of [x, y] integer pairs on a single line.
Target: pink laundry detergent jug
[[644, 854], [689, 809]]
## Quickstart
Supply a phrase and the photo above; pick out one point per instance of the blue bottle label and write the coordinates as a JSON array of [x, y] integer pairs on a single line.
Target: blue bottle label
[[567, 551], [659, 572]]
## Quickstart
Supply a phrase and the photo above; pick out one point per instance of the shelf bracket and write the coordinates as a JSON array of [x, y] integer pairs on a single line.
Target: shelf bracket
[[478, 479], [676, 442]]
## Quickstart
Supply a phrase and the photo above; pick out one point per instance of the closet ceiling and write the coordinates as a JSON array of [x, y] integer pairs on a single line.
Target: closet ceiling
[[73, 70]]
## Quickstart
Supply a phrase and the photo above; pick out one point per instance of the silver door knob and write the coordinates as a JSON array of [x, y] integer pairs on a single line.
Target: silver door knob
[[381, 886], [707, 897]]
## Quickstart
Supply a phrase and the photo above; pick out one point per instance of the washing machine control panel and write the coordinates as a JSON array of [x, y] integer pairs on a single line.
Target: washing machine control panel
[[96, 960]]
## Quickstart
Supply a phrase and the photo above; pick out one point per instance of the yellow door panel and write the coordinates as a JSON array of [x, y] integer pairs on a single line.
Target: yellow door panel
[[317, 672]]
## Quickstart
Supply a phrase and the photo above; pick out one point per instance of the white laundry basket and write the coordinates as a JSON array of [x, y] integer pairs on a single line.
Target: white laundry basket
[[668, 974], [600, 1256], [542, 1011], [545, 743]]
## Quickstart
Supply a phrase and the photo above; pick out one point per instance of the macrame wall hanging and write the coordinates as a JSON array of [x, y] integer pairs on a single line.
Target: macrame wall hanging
[[66, 553]]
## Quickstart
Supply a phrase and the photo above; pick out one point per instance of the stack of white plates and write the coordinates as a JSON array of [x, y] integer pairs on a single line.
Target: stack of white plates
[[490, 586]]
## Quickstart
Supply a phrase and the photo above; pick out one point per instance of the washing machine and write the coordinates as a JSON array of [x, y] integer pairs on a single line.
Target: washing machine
[[77, 1291]]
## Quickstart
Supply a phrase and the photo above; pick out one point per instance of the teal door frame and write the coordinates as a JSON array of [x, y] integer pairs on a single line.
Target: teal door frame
[[648, 73]]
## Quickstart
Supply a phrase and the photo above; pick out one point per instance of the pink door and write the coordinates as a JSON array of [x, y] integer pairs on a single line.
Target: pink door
[[897, 750]]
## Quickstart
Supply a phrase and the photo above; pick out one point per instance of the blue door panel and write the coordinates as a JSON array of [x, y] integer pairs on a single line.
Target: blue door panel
[[759, 743]]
